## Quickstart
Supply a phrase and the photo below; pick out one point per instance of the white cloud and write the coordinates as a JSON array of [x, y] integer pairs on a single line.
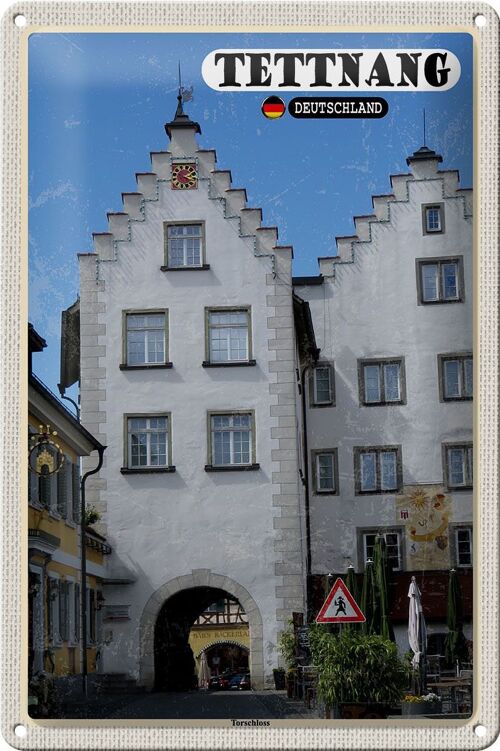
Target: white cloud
[[72, 123], [49, 194]]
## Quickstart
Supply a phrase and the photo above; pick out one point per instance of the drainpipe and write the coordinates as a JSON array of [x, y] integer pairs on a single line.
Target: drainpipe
[[306, 486], [83, 584]]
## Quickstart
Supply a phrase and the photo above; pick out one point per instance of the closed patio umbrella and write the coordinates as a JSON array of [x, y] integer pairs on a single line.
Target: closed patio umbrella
[[417, 633], [381, 589], [203, 672], [369, 605], [455, 644]]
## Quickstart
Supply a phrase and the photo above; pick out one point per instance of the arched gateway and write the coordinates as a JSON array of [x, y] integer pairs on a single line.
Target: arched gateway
[[200, 582]]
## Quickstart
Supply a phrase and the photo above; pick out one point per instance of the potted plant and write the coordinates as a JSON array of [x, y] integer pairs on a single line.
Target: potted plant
[[92, 516], [279, 675], [420, 705], [286, 646], [359, 675]]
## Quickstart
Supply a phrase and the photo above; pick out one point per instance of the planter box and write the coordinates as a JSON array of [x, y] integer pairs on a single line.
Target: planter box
[[413, 708], [279, 679], [354, 711]]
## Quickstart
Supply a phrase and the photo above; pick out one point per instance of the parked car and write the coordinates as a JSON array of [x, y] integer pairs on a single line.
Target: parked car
[[235, 681], [225, 679], [213, 683], [245, 684]]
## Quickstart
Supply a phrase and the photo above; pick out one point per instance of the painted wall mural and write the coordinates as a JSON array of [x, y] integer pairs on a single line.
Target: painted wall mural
[[425, 511]]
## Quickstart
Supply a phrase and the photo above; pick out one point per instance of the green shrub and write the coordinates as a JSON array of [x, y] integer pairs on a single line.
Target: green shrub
[[286, 645], [355, 667]]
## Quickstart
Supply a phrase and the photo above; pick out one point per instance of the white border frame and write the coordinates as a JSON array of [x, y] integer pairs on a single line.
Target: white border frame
[[339, 15]]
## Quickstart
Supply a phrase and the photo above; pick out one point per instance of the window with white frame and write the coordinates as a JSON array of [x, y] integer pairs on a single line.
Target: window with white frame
[[392, 539], [463, 546], [323, 386], [228, 335], [381, 381], [458, 465], [148, 441], [184, 245], [377, 469], [146, 338], [440, 280], [456, 377], [231, 439], [433, 218], [325, 471]]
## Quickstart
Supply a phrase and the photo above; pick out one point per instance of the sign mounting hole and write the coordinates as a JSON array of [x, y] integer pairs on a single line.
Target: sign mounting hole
[[480, 731], [21, 731], [20, 21], [480, 20]]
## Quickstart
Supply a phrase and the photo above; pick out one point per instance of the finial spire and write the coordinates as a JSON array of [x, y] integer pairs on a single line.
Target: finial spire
[[181, 120], [179, 111], [425, 143]]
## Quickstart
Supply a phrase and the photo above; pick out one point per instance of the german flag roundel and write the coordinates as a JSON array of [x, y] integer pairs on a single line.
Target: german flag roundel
[[273, 107]]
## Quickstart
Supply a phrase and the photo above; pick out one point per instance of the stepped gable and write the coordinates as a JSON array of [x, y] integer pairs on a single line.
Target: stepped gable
[[424, 166], [233, 201]]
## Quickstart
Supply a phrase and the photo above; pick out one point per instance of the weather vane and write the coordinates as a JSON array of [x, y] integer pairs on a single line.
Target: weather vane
[[185, 95]]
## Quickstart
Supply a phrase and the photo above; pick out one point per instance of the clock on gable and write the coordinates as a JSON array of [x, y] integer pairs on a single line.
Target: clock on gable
[[184, 177]]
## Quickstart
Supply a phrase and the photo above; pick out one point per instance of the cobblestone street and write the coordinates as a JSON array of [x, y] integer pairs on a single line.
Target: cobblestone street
[[192, 705]]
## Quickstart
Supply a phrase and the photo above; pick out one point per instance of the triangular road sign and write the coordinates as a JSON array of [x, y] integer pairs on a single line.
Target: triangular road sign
[[340, 606]]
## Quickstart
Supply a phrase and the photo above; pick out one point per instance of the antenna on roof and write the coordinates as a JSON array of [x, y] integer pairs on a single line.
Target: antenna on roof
[[425, 144], [180, 80]]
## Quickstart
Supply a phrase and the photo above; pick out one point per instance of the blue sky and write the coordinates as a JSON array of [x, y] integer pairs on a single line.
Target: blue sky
[[97, 106]]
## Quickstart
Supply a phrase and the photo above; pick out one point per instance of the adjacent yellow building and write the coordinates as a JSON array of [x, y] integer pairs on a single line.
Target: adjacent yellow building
[[57, 441]]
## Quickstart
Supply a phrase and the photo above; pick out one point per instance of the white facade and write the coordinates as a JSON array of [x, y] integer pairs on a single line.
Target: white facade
[[239, 531], [245, 531], [370, 308]]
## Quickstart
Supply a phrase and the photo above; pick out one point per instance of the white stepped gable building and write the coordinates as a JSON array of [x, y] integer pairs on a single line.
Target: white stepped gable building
[[389, 417], [188, 375], [200, 372]]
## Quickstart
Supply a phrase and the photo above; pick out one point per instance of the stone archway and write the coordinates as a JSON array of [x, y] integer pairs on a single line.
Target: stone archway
[[199, 578]]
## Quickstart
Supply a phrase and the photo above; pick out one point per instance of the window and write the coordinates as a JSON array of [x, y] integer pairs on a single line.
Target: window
[[458, 465], [322, 391], [184, 246], [433, 218], [228, 337], [64, 593], [377, 469], [75, 482], [463, 546], [53, 594], [91, 615], [148, 443], [392, 539], [63, 487], [440, 280], [231, 441], [145, 337], [381, 381], [325, 471], [77, 614], [455, 377]]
